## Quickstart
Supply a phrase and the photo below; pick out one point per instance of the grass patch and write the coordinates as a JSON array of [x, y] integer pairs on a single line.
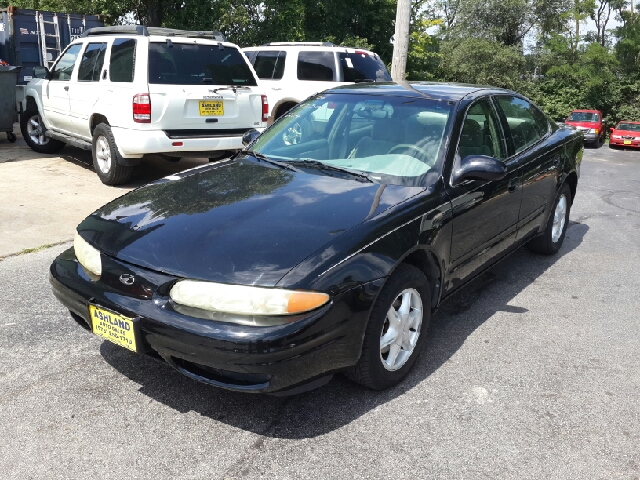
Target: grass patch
[[37, 249]]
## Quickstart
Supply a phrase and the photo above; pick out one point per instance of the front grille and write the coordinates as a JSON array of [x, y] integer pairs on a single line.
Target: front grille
[[206, 133], [628, 137]]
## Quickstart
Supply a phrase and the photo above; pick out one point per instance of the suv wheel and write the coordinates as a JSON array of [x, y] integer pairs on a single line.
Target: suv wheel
[[106, 157], [33, 129]]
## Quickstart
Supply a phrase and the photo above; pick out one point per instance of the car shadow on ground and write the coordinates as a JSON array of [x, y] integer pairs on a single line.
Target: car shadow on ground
[[340, 402]]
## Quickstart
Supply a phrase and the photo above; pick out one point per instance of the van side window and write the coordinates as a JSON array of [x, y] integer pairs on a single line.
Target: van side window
[[318, 66], [269, 65], [123, 60], [64, 68], [91, 63]]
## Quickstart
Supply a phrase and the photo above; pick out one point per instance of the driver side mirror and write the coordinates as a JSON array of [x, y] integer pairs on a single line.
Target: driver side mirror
[[250, 136], [478, 167], [41, 72]]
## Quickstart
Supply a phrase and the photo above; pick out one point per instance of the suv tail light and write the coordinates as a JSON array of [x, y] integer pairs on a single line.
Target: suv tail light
[[142, 108], [265, 108]]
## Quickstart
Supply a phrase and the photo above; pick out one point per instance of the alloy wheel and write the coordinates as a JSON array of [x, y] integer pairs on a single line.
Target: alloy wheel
[[35, 130], [103, 154], [401, 329], [559, 218]]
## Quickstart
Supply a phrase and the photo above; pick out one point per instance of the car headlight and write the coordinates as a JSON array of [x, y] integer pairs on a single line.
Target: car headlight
[[88, 256], [593, 130], [244, 300], [616, 137]]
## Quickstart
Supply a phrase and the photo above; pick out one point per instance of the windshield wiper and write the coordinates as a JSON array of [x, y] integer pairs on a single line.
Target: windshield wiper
[[235, 88], [264, 158], [307, 162]]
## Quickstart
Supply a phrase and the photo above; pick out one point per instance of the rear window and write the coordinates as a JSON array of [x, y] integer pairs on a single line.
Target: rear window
[[172, 63], [317, 66], [362, 67], [583, 117]]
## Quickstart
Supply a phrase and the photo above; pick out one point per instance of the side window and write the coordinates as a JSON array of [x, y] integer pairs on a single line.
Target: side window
[[318, 66], [123, 60], [269, 65], [91, 63], [481, 133], [64, 68], [251, 55], [524, 127]]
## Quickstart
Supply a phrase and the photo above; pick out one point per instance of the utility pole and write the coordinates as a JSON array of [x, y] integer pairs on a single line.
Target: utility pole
[[401, 41]]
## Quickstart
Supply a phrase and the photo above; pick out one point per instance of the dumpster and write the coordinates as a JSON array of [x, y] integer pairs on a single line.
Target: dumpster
[[30, 38], [8, 113]]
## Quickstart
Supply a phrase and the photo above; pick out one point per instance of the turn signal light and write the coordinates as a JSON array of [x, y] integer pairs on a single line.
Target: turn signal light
[[265, 108], [305, 301], [142, 108]]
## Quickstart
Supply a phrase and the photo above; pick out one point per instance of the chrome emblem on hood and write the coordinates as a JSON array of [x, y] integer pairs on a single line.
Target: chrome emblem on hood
[[127, 279]]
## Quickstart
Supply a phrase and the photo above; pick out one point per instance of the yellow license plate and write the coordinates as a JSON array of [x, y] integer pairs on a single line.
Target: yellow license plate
[[211, 108], [113, 327], [627, 142]]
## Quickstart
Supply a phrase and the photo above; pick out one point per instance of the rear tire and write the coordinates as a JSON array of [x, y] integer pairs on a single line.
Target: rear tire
[[551, 239], [220, 155], [106, 158], [396, 330], [33, 132]]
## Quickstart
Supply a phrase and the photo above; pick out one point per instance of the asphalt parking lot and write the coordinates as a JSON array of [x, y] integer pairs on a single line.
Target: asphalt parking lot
[[532, 371]]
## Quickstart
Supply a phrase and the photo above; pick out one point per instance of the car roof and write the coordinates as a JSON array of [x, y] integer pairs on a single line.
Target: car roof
[[585, 111], [438, 90], [629, 121], [307, 46]]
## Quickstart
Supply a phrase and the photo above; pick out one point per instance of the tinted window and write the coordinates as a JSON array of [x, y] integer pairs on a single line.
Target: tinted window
[[319, 66], [358, 67], [251, 55], [64, 68], [91, 63], [524, 128], [173, 63], [269, 65], [481, 133], [123, 60]]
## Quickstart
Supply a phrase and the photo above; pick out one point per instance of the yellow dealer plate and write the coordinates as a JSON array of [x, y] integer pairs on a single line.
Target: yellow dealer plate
[[211, 108], [627, 142], [113, 327]]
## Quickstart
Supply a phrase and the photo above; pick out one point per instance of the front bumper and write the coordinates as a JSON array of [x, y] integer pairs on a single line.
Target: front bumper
[[136, 143], [282, 358], [621, 143]]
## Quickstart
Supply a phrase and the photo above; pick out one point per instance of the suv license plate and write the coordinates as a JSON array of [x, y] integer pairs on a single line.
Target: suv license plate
[[113, 327], [209, 108]]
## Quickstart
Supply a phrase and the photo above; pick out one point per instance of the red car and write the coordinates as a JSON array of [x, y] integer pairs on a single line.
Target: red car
[[625, 134], [590, 122]]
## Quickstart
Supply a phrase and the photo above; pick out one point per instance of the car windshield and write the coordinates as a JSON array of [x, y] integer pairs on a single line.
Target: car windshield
[[392, 140], [634, 127], [174, 63], [583, 117]]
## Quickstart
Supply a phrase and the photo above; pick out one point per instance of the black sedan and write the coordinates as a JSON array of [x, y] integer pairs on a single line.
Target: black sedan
[[326, 245]]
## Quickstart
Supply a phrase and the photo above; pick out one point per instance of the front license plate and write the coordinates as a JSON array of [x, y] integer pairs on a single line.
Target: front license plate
[[211, 108], [627, 142], [113, 327]]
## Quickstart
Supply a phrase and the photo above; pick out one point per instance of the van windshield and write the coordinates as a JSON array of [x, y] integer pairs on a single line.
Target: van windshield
[[583, 117], [174, 63]]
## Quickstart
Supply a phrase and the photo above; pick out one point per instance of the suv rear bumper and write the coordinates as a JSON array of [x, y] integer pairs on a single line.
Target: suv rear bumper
[[136, 143]]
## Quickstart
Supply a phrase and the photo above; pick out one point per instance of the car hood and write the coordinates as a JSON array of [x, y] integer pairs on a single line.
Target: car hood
[[239, 222], [626, 133]]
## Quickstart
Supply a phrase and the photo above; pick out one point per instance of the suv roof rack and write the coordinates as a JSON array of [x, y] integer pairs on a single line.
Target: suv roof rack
[[303, 44], [146, 31]]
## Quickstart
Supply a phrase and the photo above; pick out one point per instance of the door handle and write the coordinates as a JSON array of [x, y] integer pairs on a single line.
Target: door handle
[[66, 88]]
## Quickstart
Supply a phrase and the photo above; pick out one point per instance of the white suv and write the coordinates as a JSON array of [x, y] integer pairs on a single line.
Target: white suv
[[125, 92], [293, 71]]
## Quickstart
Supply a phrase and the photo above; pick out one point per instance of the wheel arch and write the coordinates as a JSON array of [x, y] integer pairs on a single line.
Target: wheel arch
[[572, 181], [283, 106], [97, 119]]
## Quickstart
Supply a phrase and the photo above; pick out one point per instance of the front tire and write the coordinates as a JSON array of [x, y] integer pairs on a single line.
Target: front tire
[[396, 330], [106, 158], [33, 132], [551, 239]]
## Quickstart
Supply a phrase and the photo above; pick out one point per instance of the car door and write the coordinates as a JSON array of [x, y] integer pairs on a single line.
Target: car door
[[485, 213], [85, 89], [55, 99], [532, 148]]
